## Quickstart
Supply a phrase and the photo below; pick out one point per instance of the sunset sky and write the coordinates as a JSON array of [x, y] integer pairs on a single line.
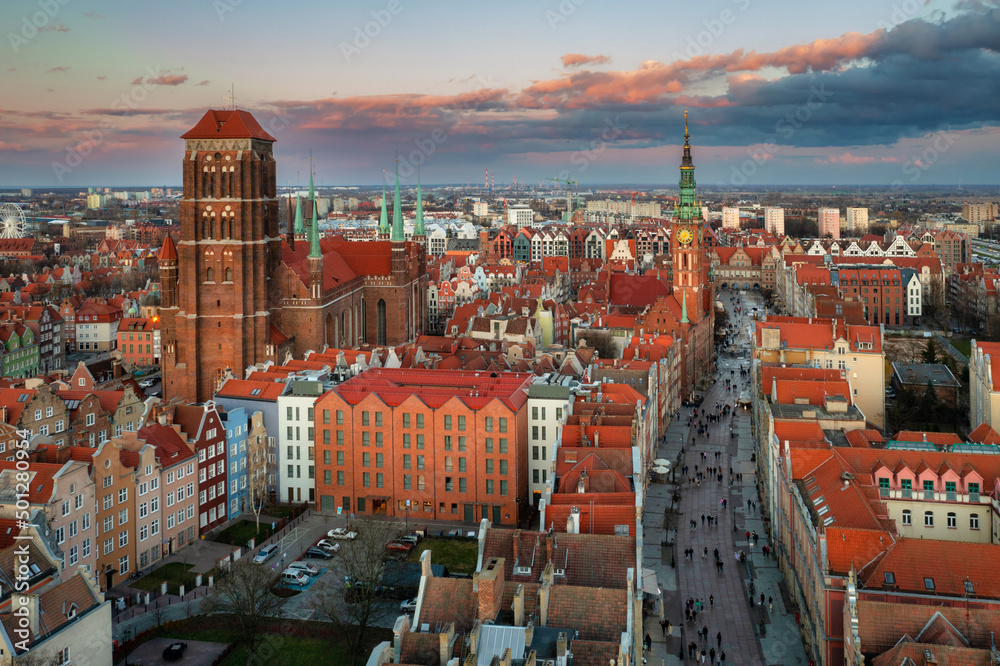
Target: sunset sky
[[779, 92]]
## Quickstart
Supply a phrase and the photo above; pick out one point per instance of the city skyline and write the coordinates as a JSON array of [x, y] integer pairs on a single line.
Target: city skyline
[[881, 93]]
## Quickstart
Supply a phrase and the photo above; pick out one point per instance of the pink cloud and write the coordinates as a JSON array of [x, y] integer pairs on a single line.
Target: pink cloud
[[55, 28], [203, 83], [101, 78], [58, 70], [578, 59], [168, 80], [137, 81]]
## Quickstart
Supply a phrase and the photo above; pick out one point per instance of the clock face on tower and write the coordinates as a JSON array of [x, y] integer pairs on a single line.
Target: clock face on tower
[[684, 236]]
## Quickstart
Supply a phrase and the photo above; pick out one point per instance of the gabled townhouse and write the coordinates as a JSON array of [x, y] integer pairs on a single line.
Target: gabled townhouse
[[258, 396], [206, 436], [97, 325], [115, 488], [237, 427]]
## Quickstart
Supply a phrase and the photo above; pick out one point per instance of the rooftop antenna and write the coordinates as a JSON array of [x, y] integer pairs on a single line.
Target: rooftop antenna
[[231, 97]]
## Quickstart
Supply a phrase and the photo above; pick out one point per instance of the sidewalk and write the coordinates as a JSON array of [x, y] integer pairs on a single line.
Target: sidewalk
[[732, 614]]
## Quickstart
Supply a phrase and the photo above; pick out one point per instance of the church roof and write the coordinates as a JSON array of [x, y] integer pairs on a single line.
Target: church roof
[[227, 124]]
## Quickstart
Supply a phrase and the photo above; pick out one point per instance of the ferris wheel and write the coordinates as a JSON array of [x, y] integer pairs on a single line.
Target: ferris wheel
[[12, 224]]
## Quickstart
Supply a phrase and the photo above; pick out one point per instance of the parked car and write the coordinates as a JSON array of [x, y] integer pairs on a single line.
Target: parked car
[[399, 546], [342, 533], [412, 537], [265, 553], [174, 651], [293, 577], [146, 383], [326, 544], [409, 606], [319, 553], [304, 567]]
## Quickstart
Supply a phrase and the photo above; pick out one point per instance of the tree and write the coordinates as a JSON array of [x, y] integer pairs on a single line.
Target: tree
[[930, 352], [244, 593], [354, 597], [257, 444]]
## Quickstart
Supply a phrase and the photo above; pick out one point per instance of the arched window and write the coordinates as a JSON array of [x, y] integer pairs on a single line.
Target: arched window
[[229, 275], [210, 274], [380, 315]]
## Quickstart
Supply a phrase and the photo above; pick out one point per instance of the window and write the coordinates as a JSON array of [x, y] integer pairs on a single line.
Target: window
[[503, 467], [952, 520], [461, 485], [340, 417], [420, 442], [489, 424], [883, 487], [379, 481], [122, 517], [503, 424], [503, 487], [928, 519], [974, 521], [503, 446], [60, 535], [929, 584], [907, 487], [489, 486], [122, 540], [340, 478], [447, 422], [973, 492], [91, 419], [951, 491], [406, 420], [63, 656], [85, 548], [378, 419], [406, 461], [366, 480], [461, 423], [928, 490], [406, 483], [907, 518], [489, 465], [461, 443], [364, 418]]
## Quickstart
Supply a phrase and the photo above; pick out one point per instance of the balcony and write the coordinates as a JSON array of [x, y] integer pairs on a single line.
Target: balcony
[[883, 492], [951, 496], [928, 494], [907, 493]]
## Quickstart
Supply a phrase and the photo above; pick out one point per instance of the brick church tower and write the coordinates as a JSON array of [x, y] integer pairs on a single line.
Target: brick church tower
[[218, 300]]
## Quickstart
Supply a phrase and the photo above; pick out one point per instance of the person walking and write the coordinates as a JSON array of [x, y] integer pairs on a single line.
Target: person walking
[[718, 639], [770, 604], [711, 655], [663, 627]]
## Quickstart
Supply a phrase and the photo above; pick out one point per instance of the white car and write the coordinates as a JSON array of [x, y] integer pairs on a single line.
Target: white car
[[265, 553], [328, 545], [341, 533], [408, 606], [294, 577], [304, 567]]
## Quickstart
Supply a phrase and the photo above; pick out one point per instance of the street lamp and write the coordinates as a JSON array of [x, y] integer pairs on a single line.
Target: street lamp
[[406, 515]]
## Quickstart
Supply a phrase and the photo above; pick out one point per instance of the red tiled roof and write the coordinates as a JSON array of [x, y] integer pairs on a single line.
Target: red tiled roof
[[435, 387], [168, 252], [170, 448], [242, 388], [227, 124], [848, 548], [881, 624], [42, 480], [948, 563]]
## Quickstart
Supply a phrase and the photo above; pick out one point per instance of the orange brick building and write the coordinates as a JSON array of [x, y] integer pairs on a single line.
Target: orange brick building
[[451, 443]]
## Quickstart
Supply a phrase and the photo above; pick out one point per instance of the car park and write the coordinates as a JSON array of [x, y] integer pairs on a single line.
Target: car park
[[265, 553], [326, 544], [174, 651], [319, 553], [342, 533], [292, 577], [304, 567]]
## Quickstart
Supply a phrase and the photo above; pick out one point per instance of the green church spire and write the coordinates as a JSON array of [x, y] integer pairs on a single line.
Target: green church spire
[[684, 310], [314, 234], [687, 206], [418, 224], [383, 221], [397, 212], [299, 229]]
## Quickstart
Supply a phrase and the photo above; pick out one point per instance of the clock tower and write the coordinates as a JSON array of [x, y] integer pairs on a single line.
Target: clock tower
[[690, 276]]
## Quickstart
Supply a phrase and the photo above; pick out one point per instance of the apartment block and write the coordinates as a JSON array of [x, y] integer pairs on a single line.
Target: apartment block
[[857, 221], [828, 221], [549, 406], [445, 444]]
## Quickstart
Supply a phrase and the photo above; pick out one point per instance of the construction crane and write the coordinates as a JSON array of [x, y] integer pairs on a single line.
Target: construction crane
[[569, 197]]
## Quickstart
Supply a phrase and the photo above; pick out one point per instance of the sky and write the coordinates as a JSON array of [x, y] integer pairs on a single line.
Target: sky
[[905, 92]]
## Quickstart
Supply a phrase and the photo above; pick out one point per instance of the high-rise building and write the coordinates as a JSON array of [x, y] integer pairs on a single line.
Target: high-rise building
[[730, 217], [829, 222], [774, 220], [520, 217], [480, 209], [979, 213], [857, 221]]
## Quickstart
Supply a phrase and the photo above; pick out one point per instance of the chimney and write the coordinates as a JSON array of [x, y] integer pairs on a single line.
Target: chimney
[[446, 642], [532, 659], [561, 645], [491, 581], [529, 633], [505, 658], [425, 565], [573, 521], [543, 598], [29, 610], [550, 540], [519, 606]]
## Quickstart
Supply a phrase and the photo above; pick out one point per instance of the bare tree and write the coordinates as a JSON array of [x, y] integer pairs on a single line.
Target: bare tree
[[34, 658], [258, 444], [245, 595], [158, 613], [355, 596]]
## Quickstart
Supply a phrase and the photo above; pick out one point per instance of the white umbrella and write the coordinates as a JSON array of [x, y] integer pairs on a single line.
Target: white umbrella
[[660, 470], [662, 462]]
